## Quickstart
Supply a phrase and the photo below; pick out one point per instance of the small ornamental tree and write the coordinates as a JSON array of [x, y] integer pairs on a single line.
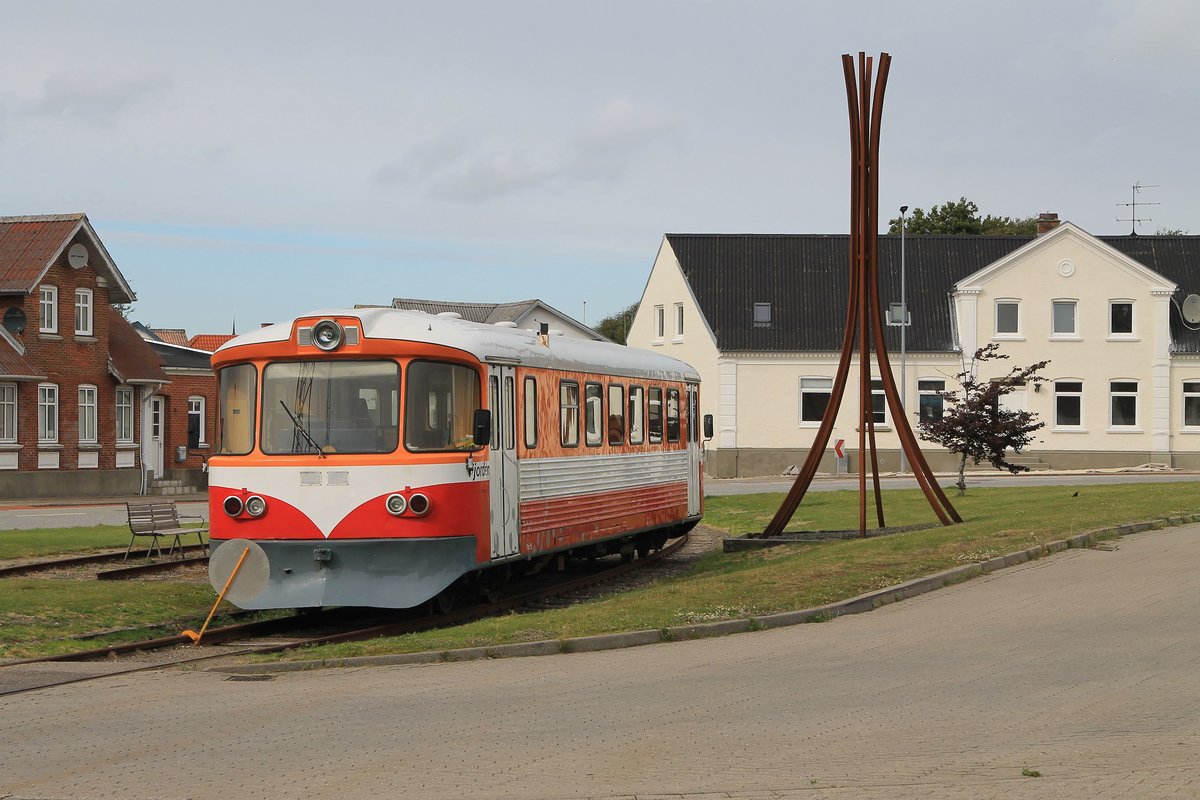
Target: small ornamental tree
[[975, 426]]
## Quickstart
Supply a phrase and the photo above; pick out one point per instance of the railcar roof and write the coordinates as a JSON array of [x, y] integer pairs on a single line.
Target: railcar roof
[[490, 343]]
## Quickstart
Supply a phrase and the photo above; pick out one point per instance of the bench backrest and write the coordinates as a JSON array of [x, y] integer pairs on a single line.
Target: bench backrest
[[151, 517]]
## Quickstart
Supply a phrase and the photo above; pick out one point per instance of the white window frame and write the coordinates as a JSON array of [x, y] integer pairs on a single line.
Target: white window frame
[[48, 413], [817, 384], [88, 414], [196, 405], [48, 309], [660, 323], [762, 315], [83, 312], [125, 416], [8, 413], [996, 332], [1131, 334], [929, 391], [881, 417], [679, 322], [1058, 426], [1191, 391], [1073, 334], [1113, 394]]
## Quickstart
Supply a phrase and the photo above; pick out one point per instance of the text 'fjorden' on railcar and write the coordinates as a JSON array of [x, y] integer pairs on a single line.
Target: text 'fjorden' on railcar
[[381, 457]]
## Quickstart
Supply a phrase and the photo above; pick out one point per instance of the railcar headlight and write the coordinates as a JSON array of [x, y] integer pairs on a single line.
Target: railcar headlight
[[327, 335], [232, 505], [418, 504], [396, 504], [256, 506]]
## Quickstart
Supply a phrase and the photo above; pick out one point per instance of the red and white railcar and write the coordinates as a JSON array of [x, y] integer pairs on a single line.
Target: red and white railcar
[[374, 457]]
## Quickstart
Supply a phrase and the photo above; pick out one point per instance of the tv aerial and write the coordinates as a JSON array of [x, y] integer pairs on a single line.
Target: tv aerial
[[1133, 204]]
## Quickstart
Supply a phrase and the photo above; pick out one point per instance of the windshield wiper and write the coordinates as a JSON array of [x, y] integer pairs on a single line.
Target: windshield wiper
[[303, 432]]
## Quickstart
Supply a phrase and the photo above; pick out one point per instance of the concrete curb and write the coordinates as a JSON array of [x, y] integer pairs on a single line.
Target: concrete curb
[[613, 641]]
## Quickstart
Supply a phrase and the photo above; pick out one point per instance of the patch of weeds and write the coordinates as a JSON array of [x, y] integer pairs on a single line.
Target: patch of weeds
[[1031, 773]]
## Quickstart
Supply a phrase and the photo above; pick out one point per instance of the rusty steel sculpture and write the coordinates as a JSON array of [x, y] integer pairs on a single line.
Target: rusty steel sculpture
[[864, 320]]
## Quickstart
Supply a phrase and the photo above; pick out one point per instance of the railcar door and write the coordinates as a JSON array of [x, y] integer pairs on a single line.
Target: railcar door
[[505, 480], [693, 447]]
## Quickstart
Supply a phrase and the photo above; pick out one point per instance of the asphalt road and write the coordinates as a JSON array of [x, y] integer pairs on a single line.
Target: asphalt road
[[1076, 677]]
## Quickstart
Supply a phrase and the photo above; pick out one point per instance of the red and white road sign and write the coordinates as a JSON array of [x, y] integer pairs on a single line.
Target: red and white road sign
[[837, 448]]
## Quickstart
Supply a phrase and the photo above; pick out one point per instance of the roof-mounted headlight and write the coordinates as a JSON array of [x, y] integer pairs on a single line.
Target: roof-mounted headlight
[[327, 335]]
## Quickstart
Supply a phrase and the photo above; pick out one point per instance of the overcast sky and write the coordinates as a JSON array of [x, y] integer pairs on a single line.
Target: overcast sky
[[250, 161]]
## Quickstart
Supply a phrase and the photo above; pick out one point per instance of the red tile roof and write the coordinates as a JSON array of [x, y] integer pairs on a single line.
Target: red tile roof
[[13, 364], [208, 342], [130, 357], [29, 246], [172, 335]]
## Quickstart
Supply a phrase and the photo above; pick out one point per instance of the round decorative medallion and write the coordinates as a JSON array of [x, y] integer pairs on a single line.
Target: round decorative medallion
[[1066, 268]]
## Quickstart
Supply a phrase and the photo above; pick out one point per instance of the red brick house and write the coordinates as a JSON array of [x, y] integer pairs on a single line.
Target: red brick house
[[189, 401], [78, 386]]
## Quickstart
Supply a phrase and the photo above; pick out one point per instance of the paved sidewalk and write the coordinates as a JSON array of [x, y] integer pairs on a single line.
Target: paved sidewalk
[[1083, 666]]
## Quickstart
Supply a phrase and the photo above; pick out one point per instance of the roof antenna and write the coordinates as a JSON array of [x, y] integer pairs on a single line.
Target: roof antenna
[[1134, 218]]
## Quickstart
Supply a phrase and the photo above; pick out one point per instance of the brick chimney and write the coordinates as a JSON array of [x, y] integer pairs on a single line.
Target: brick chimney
[[1046, 222]]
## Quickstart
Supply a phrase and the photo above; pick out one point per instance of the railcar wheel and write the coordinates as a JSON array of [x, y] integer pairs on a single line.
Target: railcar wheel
[[492, 581], [443, 601]]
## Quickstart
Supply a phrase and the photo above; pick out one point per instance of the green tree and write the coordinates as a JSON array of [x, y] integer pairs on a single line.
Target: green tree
[[616, 327], [962, 218], [975, 426], [124, 309]]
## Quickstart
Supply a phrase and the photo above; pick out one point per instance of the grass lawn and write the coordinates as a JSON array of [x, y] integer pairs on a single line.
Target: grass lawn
[[40, 615], [47, 542], [737, 585]]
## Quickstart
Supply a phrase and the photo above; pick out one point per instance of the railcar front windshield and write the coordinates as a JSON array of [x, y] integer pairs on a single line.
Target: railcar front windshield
[[330, 407]]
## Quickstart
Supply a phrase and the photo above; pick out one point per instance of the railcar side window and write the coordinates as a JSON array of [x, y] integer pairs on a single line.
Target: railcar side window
[[616, 414], [568, 404], [235, 423], [329, 406], [530, 412], [440, 409], [637, 415], [656, 420], [593, 396], [672, 415]]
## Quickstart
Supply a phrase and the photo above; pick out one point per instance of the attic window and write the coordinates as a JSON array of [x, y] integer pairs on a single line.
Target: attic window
[[762, 315]]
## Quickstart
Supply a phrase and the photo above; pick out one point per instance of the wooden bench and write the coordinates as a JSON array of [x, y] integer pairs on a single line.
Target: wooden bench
[[160, 519]]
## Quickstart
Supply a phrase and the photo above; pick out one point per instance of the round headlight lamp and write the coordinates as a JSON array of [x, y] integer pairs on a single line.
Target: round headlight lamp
[[418, 504], [256, 506], [396, 504], [232, 505], [327, 335]]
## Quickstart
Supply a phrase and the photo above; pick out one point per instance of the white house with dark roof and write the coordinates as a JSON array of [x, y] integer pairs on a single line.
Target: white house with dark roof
[[761, 317]]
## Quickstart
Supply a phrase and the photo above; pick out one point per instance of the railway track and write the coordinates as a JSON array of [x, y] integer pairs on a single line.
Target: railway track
[[112, 557], [303, 630]]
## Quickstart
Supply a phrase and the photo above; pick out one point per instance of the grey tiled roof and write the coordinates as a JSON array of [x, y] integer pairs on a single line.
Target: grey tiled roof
[[487, 313], [804, 278]]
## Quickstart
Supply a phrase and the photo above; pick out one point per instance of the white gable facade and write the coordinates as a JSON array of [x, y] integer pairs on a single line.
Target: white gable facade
[[1116, 394]]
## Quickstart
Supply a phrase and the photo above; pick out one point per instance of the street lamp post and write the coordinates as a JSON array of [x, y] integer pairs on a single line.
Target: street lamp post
[[903, 330]]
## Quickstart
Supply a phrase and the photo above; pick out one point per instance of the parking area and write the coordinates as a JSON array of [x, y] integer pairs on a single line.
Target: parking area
[[1082, 668]]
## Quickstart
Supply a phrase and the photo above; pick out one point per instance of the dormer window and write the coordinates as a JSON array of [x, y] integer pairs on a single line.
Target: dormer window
[[762, 315]]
